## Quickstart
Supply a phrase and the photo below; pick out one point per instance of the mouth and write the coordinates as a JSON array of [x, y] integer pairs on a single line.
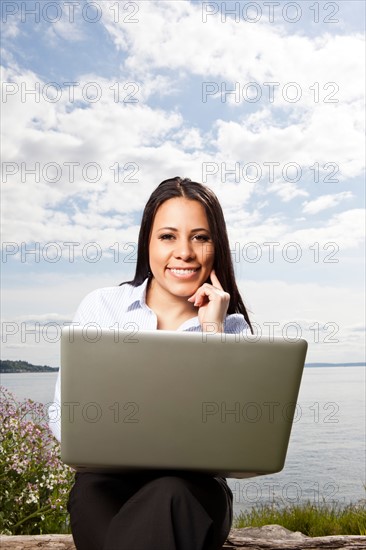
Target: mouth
[[183, 273]]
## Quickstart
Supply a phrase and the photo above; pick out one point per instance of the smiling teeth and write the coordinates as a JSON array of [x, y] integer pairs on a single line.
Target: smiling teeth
[[183, 270]]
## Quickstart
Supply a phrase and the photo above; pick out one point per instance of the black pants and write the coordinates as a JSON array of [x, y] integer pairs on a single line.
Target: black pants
[[150, 511]]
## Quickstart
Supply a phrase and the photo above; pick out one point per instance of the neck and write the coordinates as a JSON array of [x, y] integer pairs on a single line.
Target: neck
[[165, 303]]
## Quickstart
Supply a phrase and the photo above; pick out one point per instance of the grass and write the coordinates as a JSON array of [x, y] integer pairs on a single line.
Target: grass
[[311, 520]]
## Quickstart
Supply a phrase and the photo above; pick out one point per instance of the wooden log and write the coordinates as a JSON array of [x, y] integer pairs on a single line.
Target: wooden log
[[36, 542], [277, 537], [272, 537]]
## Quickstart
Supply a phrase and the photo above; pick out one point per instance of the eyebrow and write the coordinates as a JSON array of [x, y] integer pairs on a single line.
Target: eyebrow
[[192, 231]]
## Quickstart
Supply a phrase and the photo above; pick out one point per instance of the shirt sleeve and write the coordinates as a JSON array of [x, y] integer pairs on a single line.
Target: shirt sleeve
[[54, 410], [87, 312], [235, 324]]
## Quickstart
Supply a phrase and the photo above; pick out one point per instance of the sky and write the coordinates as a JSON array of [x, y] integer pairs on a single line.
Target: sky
[[261, 101]]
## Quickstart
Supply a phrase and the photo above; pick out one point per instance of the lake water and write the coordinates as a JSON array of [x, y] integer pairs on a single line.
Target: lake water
[[326, 455]]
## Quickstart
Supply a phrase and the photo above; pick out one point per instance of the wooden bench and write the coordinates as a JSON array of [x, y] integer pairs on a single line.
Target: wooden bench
[[267, 537]]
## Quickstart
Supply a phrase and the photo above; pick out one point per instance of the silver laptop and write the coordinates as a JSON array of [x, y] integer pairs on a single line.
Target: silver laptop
[[213, 403]]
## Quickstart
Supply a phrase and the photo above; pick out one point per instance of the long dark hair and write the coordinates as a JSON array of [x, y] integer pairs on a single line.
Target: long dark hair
[[223, 265]]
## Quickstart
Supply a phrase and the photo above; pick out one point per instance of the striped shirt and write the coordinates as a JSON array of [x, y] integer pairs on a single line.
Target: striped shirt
[[120, 308]]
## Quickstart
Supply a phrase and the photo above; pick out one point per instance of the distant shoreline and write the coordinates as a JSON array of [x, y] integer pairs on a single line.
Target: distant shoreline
[[19, 367], [311, 365]]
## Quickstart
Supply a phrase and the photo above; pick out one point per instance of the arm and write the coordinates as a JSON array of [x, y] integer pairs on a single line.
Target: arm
[[86, 312]]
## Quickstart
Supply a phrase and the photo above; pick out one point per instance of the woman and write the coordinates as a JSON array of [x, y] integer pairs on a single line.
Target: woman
[[184, 280]]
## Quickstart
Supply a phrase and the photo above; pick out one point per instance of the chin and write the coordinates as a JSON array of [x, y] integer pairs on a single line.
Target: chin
[[185, 289]]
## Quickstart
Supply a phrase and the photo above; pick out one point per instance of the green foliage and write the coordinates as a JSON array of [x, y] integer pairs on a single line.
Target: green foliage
[[34, 482], [23, 366], [311, 520]]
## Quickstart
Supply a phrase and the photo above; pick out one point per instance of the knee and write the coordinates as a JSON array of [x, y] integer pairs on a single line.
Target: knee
[[169, 486]]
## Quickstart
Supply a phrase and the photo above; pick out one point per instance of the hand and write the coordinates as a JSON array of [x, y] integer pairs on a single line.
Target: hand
[[213, 303]]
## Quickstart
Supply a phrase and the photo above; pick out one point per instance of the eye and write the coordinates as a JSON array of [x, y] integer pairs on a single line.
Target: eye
[[202, 238], [166, 237]]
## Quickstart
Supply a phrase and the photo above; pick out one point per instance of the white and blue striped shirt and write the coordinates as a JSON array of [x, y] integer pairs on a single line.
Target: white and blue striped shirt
[[118, 307]]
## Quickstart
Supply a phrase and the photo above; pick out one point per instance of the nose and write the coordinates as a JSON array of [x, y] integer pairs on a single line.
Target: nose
[[184, 250]]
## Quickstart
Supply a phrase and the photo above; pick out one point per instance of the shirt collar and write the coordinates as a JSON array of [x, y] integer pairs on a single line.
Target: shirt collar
[[138, 295]]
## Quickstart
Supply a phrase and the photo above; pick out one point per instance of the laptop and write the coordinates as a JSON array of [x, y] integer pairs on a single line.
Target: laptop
[[221, 404]]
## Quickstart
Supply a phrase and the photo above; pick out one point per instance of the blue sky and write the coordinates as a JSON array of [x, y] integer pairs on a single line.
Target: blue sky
[[284, 153]]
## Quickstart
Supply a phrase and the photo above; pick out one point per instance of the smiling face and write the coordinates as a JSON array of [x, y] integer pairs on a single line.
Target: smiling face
[[181, 251]]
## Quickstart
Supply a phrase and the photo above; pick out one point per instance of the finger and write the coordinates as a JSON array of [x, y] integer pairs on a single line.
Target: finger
[[199, 293], [200, 296], [207, 293], [215, 280], [194, 298]]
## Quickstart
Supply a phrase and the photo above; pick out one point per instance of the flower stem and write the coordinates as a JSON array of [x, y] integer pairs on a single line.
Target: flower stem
[[35, 514]]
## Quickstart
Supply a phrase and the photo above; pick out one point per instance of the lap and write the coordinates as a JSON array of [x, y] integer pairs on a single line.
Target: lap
[[96, 499]]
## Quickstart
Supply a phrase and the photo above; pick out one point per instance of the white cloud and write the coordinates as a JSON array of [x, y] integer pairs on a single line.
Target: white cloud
[[118, 140], [346, 229], [324, 202], [326, 316], [154, 141], [243, 52], [65, 29], [327, 71], [191, 139], [287, 190], [10, 29], [305, 142]]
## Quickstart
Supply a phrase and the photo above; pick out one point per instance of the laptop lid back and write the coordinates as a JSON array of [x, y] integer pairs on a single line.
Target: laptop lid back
[[218, 403]]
